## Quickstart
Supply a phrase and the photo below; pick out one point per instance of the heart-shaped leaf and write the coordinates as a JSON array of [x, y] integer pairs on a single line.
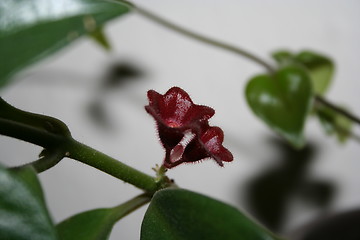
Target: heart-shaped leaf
[[97, 224], [181, 214], [321, 69], [23, 213], [282, 101], [31, 30]]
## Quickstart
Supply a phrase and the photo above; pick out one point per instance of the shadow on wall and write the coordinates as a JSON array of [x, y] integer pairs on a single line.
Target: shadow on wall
[[116, 76], [339, 226], [271, 195]]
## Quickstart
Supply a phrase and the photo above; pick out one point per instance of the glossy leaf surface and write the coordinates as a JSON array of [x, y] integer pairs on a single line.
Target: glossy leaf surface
[[320, 67], [23, 213], [181, 214], [31, 30], [282, 101]]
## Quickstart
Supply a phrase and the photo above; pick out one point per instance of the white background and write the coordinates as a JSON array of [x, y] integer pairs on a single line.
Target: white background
[[66, 83]]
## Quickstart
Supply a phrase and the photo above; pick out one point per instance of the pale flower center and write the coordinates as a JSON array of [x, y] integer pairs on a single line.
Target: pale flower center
[[177, 152]]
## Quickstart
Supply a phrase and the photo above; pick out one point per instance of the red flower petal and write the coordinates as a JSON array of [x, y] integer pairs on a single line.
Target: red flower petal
[[184, 130], [208, 145], [212, 140], [174, 113], [175, 108]]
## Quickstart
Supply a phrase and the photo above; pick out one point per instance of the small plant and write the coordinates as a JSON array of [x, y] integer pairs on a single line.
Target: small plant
[[283, 98]]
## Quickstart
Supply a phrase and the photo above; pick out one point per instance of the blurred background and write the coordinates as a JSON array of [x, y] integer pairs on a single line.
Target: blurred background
[[101, 97]]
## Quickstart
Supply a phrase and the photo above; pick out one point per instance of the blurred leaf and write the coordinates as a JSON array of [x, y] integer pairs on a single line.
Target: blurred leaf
[[32, 30], [99, 36], [23, 213], [181, 214], [282, 101], [321, 69], [283, 57], [97, 224], [334, 123]]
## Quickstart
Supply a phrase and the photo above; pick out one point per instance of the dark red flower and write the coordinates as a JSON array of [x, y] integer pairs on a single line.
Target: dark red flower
[[208, 145], [174, 113], [184, 130]]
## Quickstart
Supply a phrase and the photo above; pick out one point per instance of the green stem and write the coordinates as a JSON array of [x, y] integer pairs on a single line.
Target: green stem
[[29, 133], [57, 140], [323, 101], [228, 47], [197, 36], [111, 166], [133, 204]]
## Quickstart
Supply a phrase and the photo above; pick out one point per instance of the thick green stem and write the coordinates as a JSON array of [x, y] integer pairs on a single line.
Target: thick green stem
[[77, 151], [105, 163], [54, 136], [30, 134]]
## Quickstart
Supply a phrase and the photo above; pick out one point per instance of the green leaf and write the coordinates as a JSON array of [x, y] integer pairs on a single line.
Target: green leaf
[[321, 69], [97, 224], [334, 123], [282, 101], [283, 57], [94, 224], [23, 213], [32, 30], [181, 214]]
